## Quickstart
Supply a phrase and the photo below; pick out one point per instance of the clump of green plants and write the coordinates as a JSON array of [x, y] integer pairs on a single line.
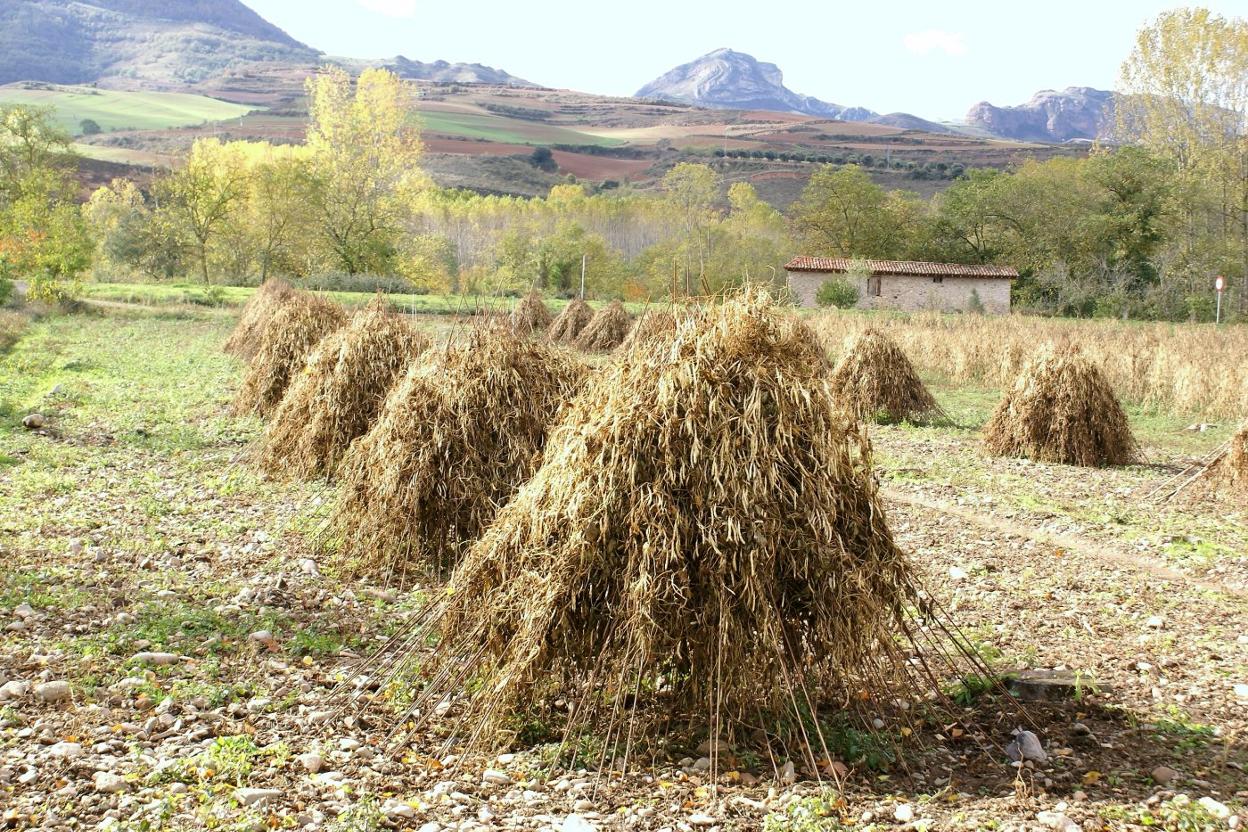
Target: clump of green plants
[[837, 292], [825, 812], [1178, 814], [364, 815]]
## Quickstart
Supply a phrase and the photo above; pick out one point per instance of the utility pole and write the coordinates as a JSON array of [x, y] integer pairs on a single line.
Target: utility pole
[[584, 257]]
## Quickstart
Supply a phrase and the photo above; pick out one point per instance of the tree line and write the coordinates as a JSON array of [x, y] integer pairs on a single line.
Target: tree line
[[1135, 229]]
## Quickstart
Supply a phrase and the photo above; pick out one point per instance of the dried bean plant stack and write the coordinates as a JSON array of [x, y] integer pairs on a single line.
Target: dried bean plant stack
[[289, 339], [569, 323], [455, 438], [703, 548], [244, 341], [607, 330], [338, 396], [876, 381], [651, 326], [1061, 409], [530, 314]]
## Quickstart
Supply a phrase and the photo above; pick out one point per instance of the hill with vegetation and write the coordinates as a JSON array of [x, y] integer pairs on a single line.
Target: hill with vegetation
[[136, 43]]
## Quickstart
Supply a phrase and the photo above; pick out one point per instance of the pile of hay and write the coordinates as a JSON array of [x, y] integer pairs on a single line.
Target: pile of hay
[[454, 440], [653, 325], [703, 545], [530, 314], [244, 341], [289, 338], [607, 330], [1061, 409], [337, 397], [875, 380], [1235, 465], [574, 318]]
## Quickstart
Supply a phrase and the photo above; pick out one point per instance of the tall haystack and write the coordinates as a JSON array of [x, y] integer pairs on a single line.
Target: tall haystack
[[1061, 409], [244, 341], [569, 323], [703, 545], [607, 330], [651, 326], [289, 338], [876, 381], [337, 398], [455, 438], [530, 314], [1235, 466]]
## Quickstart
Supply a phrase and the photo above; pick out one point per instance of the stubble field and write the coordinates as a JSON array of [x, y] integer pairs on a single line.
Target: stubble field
[[171, 637]]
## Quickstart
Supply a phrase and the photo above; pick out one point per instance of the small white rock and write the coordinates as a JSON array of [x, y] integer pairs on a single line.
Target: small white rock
[[1219, 810], [496, 777], [788, 773], [903, 813], [155, 658], [701, 820], [256, 797], [106, 782], [15, 689], [67, 750], [312, 762], [396, 809], [52, 691]]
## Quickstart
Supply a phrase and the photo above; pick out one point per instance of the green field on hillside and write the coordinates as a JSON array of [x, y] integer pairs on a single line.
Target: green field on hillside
[[508, 130], [118, 110]]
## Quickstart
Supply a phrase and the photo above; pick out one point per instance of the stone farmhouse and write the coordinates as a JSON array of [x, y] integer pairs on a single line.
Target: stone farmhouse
[[907, 284]]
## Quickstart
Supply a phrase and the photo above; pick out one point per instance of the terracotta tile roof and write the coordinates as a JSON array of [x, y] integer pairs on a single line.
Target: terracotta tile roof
[[899, 267]]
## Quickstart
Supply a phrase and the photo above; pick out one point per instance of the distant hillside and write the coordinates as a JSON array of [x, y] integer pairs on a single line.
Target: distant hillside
[[136, 42], [909, 122], [460, 73], [736, 81], [1050, 116]]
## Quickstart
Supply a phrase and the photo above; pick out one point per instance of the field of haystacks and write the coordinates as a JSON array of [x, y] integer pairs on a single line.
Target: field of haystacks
[[573, 568]]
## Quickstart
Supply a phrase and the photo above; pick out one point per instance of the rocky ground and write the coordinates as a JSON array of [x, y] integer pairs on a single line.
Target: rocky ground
[[172, 643]]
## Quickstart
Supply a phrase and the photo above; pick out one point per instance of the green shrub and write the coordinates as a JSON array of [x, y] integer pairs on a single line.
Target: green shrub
[[837, 292], [975, 305], [343, 282]]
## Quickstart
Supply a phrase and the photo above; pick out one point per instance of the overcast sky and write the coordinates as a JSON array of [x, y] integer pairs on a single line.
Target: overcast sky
[[933, 58]]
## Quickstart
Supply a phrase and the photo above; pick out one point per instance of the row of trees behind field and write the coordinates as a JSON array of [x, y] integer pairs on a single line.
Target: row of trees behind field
[[1137, 230]]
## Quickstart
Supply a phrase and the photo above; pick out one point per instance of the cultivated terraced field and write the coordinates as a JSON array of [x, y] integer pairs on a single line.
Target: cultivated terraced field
[[171, 637]]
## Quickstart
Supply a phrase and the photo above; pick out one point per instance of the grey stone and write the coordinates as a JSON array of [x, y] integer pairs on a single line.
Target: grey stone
[[57, 691], [155, 658], [256, 797]]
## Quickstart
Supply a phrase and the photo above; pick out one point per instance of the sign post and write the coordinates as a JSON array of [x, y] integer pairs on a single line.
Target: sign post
[[1219, 284]]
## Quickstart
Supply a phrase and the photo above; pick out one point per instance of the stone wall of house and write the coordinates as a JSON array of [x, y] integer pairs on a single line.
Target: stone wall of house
[[913, 293]]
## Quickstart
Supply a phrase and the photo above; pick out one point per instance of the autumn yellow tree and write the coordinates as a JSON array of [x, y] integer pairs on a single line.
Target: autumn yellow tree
[[201, 197], [365, 145], [1184, 94]]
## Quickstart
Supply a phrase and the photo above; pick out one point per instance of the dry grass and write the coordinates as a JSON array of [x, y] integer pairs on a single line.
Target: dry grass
[[530, 314], [607, 330], [652, 325], [703, 545], [574, 318], [337, 397], [1061, 409], [1181, 368], [289, 338], [244, 341], [1235, 465], [875, 380], [454, 440]]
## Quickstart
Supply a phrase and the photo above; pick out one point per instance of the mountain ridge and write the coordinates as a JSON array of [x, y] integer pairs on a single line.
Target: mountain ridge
[[731, 80], [1074, 113]]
